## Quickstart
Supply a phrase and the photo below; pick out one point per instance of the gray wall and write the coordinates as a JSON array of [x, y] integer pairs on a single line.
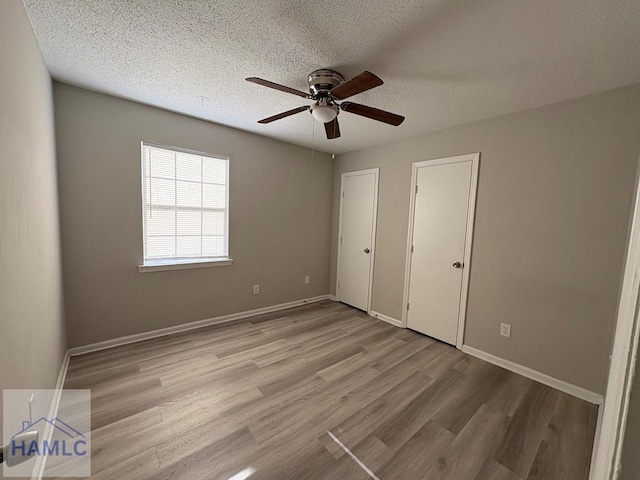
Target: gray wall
[[280, 217], [32, 342], [552, 215]]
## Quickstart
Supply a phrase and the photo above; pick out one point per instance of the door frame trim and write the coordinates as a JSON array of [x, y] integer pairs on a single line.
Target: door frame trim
[[376, 173], [610, 437], [474, 158]]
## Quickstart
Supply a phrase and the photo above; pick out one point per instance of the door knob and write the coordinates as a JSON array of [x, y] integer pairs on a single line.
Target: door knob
[[366, 250], [457, 265]]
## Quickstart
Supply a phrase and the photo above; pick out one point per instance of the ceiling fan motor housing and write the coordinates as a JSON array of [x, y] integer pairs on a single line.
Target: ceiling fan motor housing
[[322, 81]]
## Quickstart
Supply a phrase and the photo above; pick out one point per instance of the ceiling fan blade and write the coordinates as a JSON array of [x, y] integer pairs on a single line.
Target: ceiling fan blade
[[284, 114], [361, 83], [277, 86], [372, 113], [332, 129]]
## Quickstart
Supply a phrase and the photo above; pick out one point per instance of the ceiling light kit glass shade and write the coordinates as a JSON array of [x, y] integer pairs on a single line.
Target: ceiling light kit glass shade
[[324, 113]]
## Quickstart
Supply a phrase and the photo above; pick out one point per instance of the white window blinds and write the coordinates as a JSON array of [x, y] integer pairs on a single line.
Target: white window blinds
[[185, 201]]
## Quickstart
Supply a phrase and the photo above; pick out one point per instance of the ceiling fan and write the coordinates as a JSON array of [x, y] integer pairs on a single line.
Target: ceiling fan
[[326, 87]]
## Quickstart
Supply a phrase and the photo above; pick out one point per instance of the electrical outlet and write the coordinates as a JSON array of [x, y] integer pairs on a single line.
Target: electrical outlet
[[306, 279], [256, 289], [505, 330]]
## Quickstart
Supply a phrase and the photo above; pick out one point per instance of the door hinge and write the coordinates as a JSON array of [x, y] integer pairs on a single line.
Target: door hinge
[[416, 188], [411, 248], [407, 305], [338, 284], [342, 193], [340, 239]]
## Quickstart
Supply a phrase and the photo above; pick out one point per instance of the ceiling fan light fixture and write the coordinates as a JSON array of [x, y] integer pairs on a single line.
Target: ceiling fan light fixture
[[325, 88], [324, 113]]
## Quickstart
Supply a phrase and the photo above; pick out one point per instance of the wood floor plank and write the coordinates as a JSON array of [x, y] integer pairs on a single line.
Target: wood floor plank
[[371, 452], [103, 360], [370, 353], [187, 410], [288, 327], [115, 374], [304, 370], [526, 429], [211, 460], [492, 470], [566, 445], [139, 466], [411, 336], [472, 392], [398, 356], [297, 345], [397, 429], [143, 466], [103, 413], [470, 449], [315, 412], [210, 373], [469, 364], [217, 424], [509, 395], [125, 438], [358, 426], [309, 460], [423, 449], [161, 363], [444, 361], [314, 342], [214, 334], [315, 465], [358, 338], [106, 392]]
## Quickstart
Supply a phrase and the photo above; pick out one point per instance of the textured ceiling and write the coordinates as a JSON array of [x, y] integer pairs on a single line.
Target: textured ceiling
[[444, 63]]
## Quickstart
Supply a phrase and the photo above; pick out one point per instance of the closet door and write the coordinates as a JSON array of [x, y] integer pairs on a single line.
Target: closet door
[[439, 240], [358, 207]]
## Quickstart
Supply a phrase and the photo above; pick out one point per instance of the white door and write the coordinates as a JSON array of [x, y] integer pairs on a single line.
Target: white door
[[439, 246], [358, 207]]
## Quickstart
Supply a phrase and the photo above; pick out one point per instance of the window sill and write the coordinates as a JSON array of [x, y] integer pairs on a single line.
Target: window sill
[[178, 265]]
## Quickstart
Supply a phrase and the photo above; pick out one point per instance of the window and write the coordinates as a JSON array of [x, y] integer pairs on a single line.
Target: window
[[185, 197]]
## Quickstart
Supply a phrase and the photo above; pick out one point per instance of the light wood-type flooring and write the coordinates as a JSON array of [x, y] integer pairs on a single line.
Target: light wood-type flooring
[[267, 398]]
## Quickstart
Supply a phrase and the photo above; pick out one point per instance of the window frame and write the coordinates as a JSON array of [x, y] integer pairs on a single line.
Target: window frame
[[180, 263]]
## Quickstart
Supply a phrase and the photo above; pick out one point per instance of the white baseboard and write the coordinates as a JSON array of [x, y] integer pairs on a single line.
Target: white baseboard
[[116, 342], [385, 318], [47, 435], [543, 378], [333, 298]]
